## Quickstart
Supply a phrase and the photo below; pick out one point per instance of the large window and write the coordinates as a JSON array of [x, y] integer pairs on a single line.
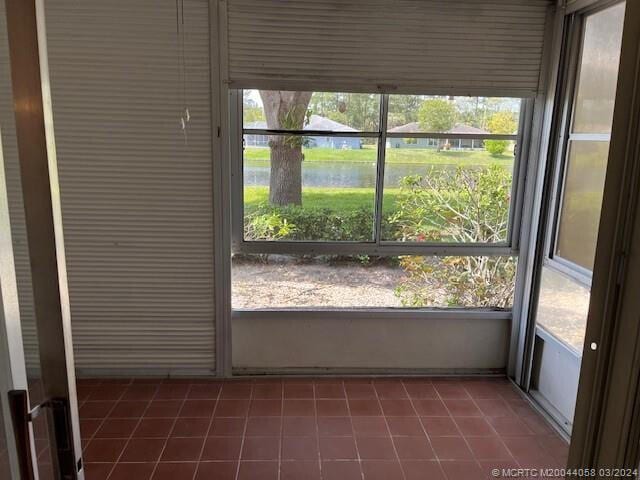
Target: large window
[[403, 192]]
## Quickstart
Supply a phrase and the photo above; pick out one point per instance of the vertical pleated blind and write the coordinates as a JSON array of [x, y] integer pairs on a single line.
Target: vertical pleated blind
[[136, 190], [482, 47]]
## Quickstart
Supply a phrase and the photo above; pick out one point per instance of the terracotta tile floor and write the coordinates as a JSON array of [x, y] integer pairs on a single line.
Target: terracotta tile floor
[[310, 429]]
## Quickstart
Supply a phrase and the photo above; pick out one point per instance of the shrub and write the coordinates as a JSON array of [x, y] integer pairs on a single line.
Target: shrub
[[496, 147], [460, 206], [268, 226], [308, 223], [465, 205], [500, 122], [457, 281]]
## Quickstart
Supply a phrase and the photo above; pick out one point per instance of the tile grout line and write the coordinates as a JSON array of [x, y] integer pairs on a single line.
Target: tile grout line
[[134, 428], [173, 425], [315, 403], [435, 454], [244, 430], [281, 439], [115, 403], [384, 416], [477, 462], [206, 436], [353, 430], [484, 417], [315, 400]]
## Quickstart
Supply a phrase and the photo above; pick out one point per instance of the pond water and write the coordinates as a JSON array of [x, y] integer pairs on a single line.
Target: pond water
[[341, 174]]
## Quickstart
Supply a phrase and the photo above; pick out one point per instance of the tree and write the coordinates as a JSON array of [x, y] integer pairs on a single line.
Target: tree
[[357, 110], [500, 122], [437, 115], [251, 111], [285, 110], [403, 109]]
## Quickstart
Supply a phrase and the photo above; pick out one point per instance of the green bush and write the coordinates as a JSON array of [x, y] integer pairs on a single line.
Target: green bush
[[496, 147], [461, 206], [464, 205], [308, 223], [500, 122], [268, 226]]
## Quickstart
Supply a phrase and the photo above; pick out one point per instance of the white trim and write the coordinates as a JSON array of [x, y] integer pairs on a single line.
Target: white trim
[[221, 190], [543, 126], [375, 313], [368, 134], [329, 372], [371, 248]]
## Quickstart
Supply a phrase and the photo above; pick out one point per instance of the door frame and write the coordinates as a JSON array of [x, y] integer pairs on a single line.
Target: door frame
[[43, 217], [13, 372], [607, 427]]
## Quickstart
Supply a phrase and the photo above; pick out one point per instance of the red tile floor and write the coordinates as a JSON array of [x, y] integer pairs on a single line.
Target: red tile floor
[[310, 429]]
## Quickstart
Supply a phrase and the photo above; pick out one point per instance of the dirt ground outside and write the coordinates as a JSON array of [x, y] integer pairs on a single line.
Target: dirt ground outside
[[283, 283], [280, 283]]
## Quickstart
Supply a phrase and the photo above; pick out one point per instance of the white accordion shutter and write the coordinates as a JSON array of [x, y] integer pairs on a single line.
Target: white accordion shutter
[[474, 47], [136, 192]]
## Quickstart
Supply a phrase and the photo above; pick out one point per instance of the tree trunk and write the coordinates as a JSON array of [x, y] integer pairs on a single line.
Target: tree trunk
[[285, 181], [285, 110]]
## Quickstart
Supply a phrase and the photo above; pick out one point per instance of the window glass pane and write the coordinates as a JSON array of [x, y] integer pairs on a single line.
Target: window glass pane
[[285, 110], [562, 307], [598, 72], [455, 115], [279, 281], [451, 190], [309, 188], [582, 202]]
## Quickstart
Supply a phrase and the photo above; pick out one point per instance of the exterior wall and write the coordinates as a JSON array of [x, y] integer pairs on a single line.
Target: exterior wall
[[321, 142], [311, 342], [337, 143], [456, 143]]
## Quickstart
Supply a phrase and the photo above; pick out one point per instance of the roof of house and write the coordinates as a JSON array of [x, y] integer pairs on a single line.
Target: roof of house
[[462, 128], [316, 122], [409, 127], [458, 128]]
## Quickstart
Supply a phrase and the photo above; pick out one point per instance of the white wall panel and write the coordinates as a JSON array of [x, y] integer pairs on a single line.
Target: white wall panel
[[266, 341]]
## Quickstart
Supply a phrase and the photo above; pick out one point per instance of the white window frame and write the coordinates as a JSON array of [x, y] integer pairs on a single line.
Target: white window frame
[[376, 247]]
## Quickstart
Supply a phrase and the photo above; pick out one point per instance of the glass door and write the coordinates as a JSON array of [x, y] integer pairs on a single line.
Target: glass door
[[39, 429], [573, 219]]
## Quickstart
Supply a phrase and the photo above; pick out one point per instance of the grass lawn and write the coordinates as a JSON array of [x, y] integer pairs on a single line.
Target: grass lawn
[[394, 155], [333, 198]]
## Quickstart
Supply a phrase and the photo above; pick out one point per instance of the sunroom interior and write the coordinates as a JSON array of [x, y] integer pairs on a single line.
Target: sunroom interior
[[265, 239]]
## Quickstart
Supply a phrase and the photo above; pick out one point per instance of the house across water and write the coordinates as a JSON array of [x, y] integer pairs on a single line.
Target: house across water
[[443, 144], [316, 122]]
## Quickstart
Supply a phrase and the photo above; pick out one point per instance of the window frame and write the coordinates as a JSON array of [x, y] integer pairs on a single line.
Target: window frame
[[565, 139], [376, 247]]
